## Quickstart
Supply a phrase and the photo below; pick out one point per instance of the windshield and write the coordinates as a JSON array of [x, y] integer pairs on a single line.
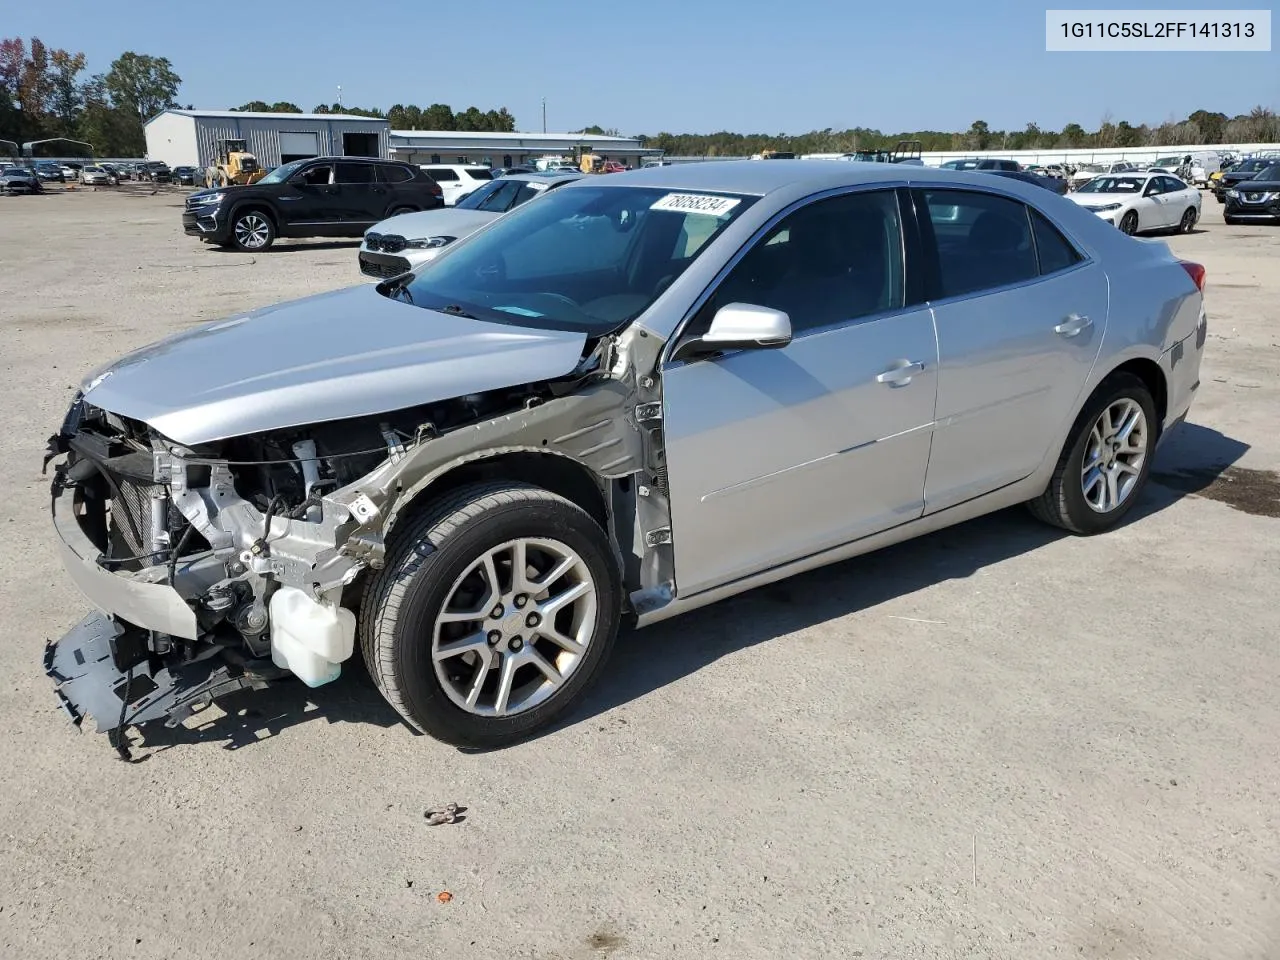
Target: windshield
[[1168, 162], [1114, 185], [1089, 168], [283, 173], [586, 259]]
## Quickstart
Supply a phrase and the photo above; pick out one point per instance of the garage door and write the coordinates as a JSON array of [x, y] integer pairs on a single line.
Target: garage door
[[298, 146]]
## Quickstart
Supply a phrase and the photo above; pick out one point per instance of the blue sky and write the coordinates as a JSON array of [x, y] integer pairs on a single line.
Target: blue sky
[[650, 65]]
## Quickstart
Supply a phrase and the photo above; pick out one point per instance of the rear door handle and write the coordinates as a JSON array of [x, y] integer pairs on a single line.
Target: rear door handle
[[900, 375], [1073, 326]]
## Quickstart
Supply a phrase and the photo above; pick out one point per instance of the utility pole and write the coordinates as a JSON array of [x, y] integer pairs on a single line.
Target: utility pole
[[544, 114]]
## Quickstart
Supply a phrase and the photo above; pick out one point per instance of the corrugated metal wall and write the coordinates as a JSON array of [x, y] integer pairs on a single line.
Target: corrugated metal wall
[[263, 136]]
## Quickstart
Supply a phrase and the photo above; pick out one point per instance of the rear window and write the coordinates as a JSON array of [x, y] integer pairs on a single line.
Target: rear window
[[392, 173]]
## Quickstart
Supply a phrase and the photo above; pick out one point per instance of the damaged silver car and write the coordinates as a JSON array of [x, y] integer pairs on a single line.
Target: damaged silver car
[[639, 395]]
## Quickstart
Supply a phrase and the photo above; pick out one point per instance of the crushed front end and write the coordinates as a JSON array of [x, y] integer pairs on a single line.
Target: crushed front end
[[204, 581]]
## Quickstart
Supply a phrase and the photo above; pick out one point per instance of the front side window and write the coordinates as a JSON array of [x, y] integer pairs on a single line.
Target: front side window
[[1154, 186], [319, 176], [476, 199], [982, 241], [832, 261], [589, 259], [498, 200]]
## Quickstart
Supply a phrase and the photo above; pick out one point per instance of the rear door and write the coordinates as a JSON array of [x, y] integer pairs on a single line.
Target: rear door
[[361, 202], [1020, 314]]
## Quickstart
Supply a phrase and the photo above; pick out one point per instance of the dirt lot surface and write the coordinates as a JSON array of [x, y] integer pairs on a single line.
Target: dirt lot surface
[[992, 742]]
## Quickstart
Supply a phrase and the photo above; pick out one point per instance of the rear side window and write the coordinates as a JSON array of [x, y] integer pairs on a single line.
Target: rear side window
[[390, 173], [1054, 251], [983, 241], [479, 173], [441, 174], [354, 173]]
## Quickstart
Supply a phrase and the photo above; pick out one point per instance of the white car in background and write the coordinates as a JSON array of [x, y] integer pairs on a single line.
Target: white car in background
[[457, 179], [400, 244], [1138, 202], [1087, 171]]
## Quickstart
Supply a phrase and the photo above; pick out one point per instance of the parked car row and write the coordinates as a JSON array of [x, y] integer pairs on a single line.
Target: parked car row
[[480, 469]]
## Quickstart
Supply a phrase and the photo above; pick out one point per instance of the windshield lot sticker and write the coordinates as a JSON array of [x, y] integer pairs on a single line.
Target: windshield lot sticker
[[696, 203]]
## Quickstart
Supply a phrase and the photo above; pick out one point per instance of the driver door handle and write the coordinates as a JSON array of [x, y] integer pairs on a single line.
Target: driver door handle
[[899, 375], [1073, 325]]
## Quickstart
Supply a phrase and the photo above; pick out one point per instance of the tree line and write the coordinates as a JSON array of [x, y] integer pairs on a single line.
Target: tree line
[[438, 116], [1260, 125], [44, 94]]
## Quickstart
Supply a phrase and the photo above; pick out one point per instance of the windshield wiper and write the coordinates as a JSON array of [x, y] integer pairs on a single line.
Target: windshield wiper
[[456, 311]]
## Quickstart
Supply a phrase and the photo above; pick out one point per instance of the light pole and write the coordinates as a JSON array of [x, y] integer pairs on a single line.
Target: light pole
[[339, 95], [544, 114]]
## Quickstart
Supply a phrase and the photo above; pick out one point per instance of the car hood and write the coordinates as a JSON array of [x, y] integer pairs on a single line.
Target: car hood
[[349, 353], [448, 222], [1101, 199]]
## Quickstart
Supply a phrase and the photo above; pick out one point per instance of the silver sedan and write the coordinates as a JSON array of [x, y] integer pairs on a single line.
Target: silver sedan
[[636, 396]]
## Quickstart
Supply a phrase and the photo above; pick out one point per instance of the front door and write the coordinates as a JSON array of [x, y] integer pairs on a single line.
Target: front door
[[776, 454], [361, 201], [1020, 315], [1156, 211], [308, 204]]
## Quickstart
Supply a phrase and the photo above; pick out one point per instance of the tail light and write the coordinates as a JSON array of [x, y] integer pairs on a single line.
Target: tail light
[[1196, 272]]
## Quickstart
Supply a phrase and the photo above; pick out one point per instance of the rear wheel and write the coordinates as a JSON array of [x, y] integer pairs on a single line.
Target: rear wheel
[[252, 231], [495, 611], [1188, 221], [399, 210], [1105, 462], [1129, 223]]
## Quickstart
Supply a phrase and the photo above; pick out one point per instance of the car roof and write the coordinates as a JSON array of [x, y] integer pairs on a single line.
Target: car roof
[[761, 177]]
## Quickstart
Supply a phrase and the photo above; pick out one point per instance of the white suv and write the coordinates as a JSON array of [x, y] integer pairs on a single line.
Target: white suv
[[456, 179]]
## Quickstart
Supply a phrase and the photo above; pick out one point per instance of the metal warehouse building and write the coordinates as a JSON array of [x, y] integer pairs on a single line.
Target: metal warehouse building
[[509, 149], [190, 137]]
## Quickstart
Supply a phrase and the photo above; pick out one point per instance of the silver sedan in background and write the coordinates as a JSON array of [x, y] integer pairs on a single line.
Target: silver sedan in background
[[636, 396]]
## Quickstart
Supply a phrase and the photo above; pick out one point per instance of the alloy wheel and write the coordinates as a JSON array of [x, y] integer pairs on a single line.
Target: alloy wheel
[[1113, 459], [1188, 220], [1129, 223], [252, 231], [515, 626]]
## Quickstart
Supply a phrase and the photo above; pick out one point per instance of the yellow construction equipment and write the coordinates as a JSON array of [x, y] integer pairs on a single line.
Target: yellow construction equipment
[[591, 163], [233, 165]]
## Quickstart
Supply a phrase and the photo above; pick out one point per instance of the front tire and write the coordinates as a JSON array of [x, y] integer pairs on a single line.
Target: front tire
[[495, 611], [1129, 223], [1106, 460], [252, 231], [1230, 221]]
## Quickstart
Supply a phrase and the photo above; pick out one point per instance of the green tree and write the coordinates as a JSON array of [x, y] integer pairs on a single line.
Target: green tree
[[253, 106], [979, 135], [439, 116], [1073, 135], [142, 84]]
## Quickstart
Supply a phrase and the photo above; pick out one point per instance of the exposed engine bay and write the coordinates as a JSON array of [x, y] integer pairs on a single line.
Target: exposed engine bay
[[238, 562]]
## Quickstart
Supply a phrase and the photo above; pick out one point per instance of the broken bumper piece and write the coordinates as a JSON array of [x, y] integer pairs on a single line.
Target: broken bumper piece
[[85, 666]]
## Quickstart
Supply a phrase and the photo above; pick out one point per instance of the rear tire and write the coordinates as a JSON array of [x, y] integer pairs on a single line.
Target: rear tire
[[1188, 221], [1105, 462], [442, 637], [399, 210]]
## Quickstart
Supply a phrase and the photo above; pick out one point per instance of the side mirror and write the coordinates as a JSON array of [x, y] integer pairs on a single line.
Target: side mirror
[[739, 326]]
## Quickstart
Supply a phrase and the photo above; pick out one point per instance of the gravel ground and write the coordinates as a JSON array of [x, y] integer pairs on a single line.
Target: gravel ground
[[992, 742]]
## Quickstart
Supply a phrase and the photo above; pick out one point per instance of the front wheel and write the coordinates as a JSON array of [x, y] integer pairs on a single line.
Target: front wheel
[[1230, 221], [1188, 221], [252, 231], [495, 611], [1105, 462], [1129, 223]]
